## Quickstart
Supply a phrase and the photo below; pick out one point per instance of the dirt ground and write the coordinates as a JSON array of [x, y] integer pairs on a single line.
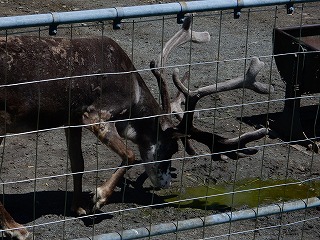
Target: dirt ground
[[45, 203]]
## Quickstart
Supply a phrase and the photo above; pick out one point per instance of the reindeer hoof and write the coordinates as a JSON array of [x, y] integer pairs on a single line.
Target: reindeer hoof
[[19, 234], [78, 211], [99, 199]]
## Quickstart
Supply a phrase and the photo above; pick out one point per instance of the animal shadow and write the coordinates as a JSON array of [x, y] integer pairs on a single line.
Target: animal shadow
[[27, 207]]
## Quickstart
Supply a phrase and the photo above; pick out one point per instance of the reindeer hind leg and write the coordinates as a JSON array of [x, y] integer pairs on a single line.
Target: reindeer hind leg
[[73, 136]]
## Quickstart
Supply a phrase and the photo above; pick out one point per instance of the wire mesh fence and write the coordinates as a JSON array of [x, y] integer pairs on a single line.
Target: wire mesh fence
[[67, 86]]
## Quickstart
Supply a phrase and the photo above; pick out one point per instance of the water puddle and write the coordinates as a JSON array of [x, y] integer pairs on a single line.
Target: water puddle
[[247, 192]]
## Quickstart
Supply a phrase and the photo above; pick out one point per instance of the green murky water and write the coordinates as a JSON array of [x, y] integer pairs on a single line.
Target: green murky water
[[248, 192]]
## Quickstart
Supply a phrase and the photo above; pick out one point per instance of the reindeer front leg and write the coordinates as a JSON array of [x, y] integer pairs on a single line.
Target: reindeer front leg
[[115, 143], [108, 134]]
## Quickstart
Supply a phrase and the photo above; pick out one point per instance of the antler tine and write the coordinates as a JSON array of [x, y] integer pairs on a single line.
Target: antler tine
[[183, 36], [241, 141], [222, 147], [247, 137], [176, 108], [249, 81], [163, 88], [179, 100], [186, 123]]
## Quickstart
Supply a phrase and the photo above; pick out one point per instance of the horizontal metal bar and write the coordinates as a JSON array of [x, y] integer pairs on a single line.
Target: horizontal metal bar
[[215, 219], [56, 18]]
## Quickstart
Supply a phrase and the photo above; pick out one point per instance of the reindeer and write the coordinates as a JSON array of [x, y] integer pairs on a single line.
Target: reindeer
[[98, 100]]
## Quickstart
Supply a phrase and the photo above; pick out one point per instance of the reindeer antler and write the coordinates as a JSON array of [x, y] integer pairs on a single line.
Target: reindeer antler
[[163, 88], [176, 104], [185, 127]]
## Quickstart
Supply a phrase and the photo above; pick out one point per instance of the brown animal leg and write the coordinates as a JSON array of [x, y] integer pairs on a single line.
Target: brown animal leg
[[115, 143], [73, 136], [12, 229], [107, 134]]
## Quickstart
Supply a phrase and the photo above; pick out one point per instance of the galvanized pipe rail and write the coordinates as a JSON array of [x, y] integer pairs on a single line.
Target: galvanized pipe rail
[[118, 13], [215, 219]]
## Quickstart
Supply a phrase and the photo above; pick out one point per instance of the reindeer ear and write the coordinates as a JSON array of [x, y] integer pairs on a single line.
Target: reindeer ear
[[174, 133], [178, 135], [185, 141]]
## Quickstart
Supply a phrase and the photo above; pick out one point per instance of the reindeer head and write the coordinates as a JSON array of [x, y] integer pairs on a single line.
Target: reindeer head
[[159, 155]]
